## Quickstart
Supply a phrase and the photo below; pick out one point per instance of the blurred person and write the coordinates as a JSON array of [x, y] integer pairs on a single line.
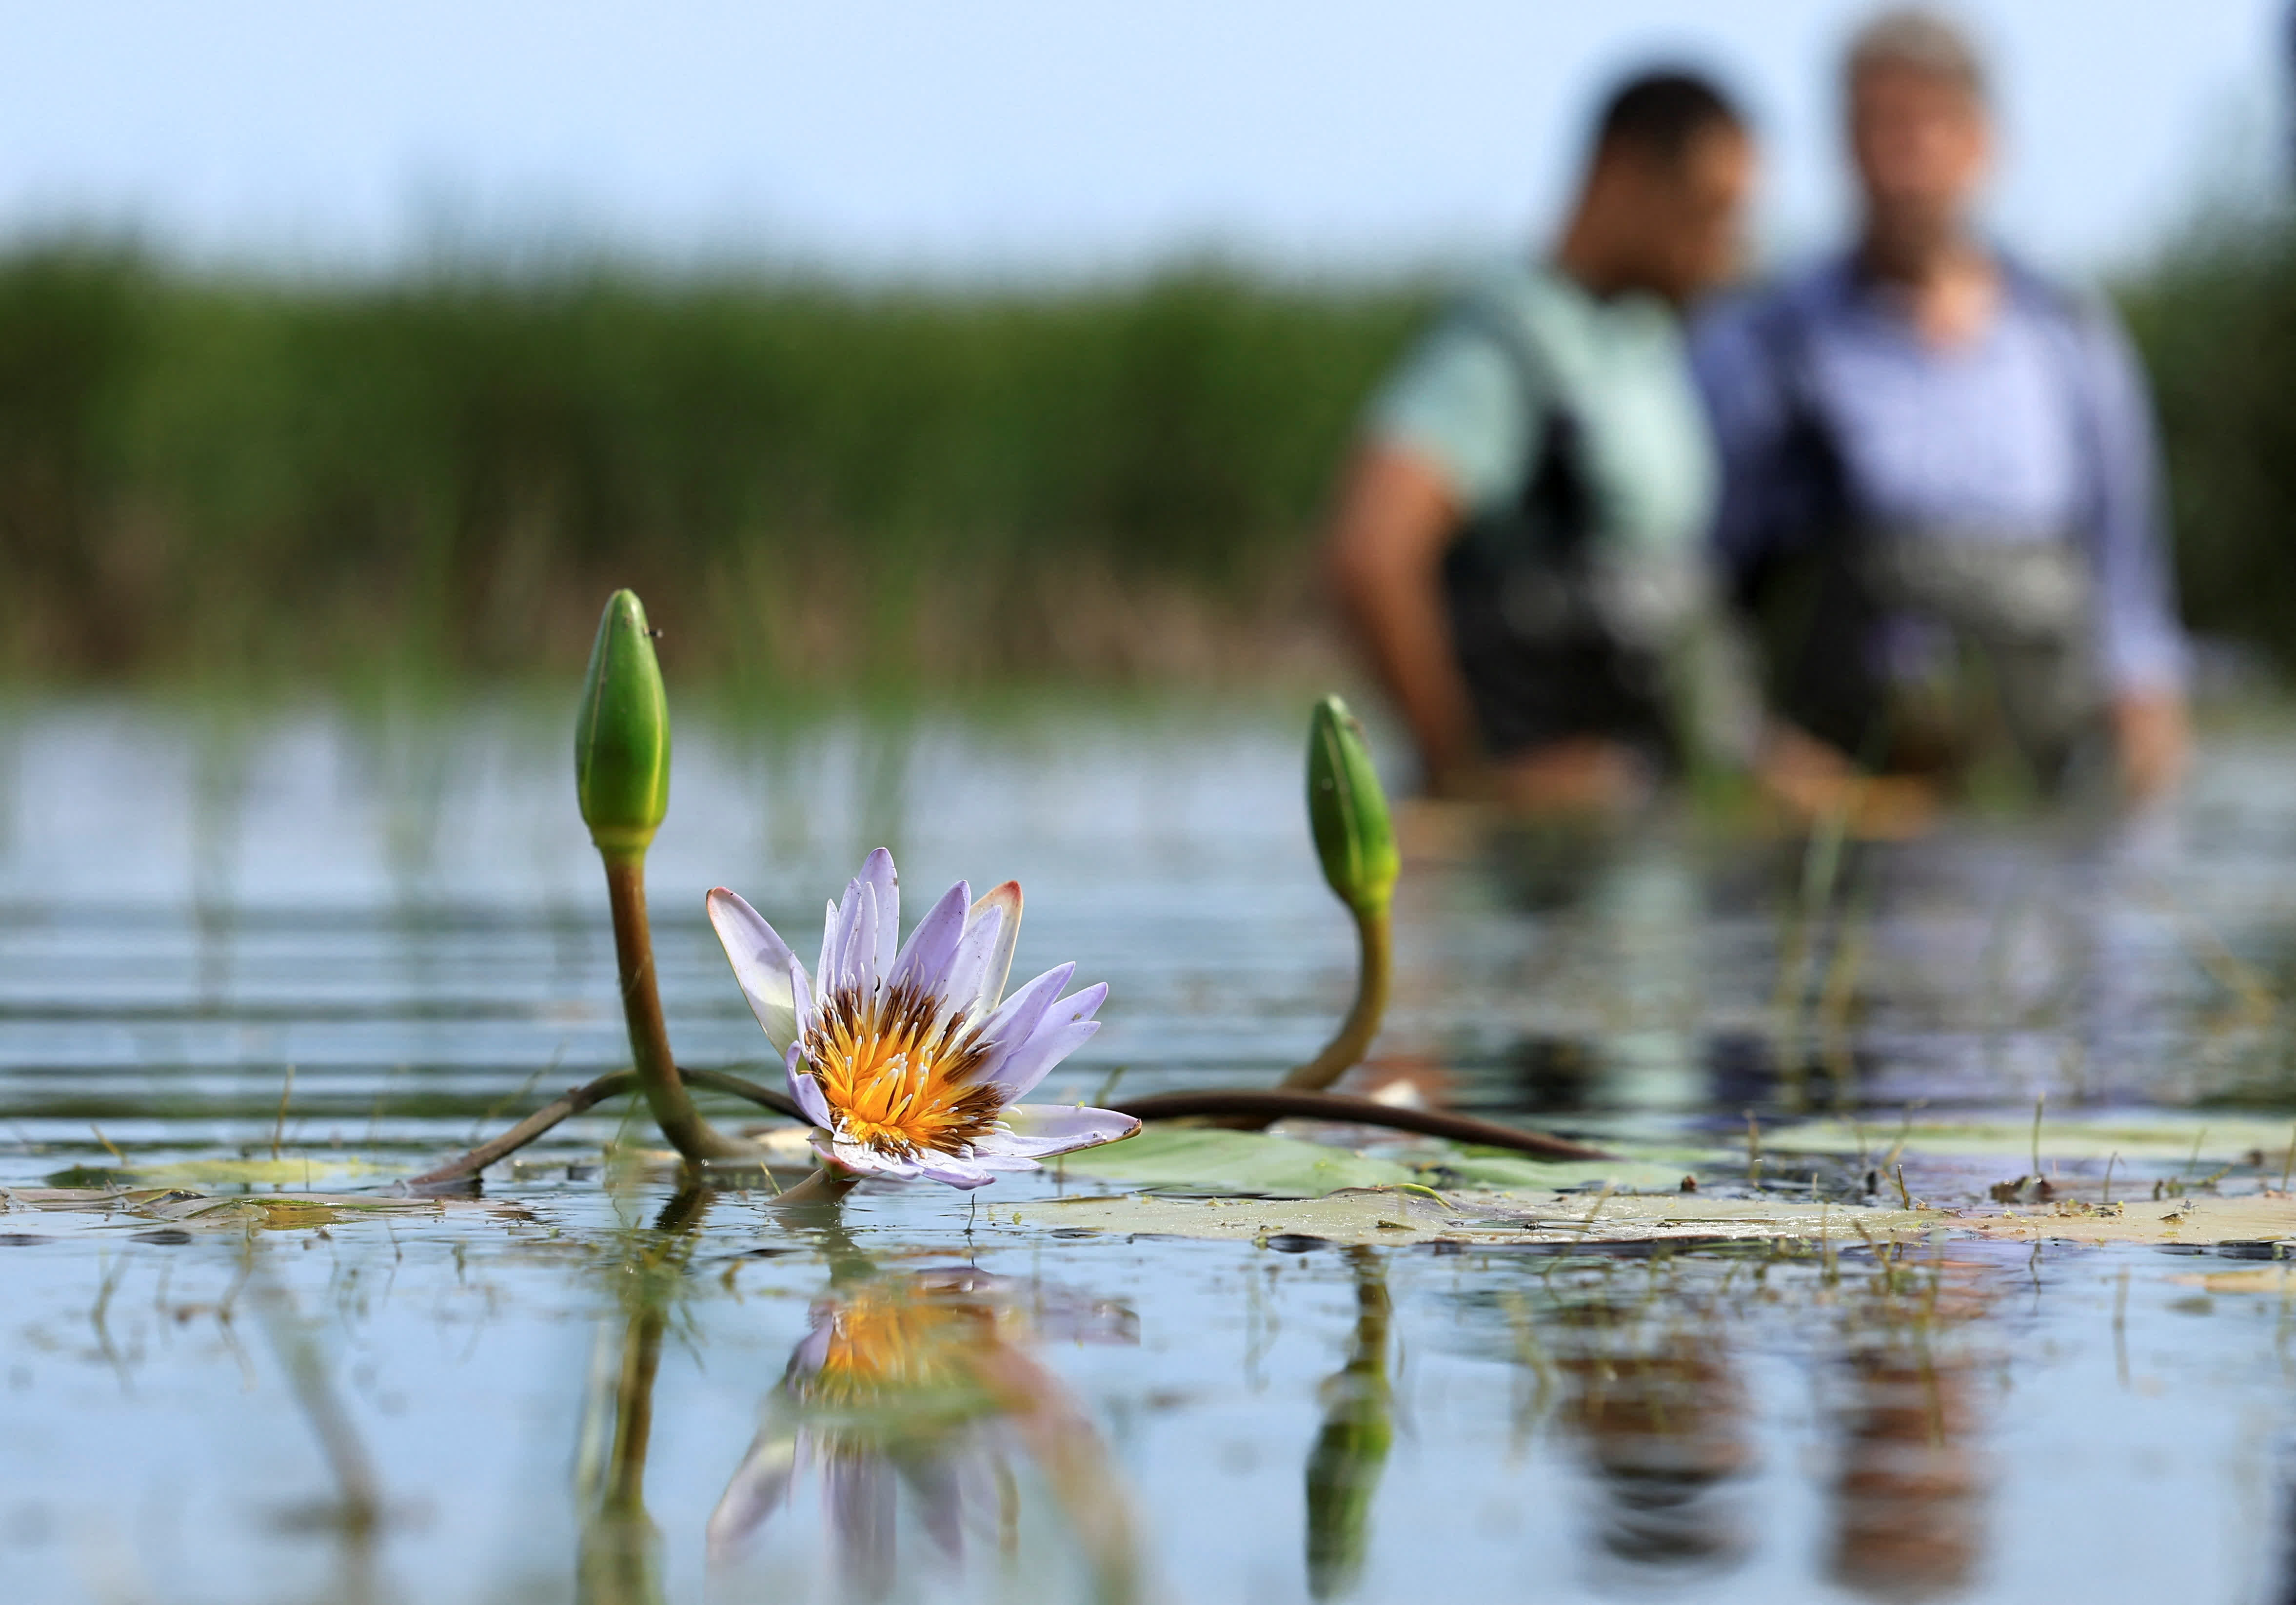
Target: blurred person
[[1941, 497], [1517, 543]]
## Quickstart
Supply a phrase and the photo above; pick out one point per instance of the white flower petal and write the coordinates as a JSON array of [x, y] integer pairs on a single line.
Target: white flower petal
[[761, 963], [832, 946], [803, 1003], [960, 988], [1006, 900], [878, 873], [1042, 1129], [861, 1159]]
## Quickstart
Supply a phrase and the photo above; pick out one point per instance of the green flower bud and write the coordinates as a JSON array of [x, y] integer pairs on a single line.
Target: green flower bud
[[622, 739], [1348, 811]]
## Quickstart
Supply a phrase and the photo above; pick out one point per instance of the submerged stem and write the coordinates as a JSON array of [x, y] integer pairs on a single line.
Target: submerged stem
[[1348, 1044], [1251, 1108], [657, 1071]]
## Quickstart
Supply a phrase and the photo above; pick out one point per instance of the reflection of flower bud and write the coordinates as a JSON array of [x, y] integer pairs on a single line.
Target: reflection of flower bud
[[1350, 1452], [1348, 810], [621, 740]]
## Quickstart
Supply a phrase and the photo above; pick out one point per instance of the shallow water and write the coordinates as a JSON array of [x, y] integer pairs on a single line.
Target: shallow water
[[936, 1400]]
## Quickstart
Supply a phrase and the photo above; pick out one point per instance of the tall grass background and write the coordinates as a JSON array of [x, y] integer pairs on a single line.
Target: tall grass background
[[209, 473], [202, 472]]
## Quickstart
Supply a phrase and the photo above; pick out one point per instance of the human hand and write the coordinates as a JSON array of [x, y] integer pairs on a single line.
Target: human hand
[[2153, 739], [1584, 774], [1814, 783]]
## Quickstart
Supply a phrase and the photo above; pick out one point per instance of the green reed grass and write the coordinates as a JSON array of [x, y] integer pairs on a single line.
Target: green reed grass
[[446, 470]]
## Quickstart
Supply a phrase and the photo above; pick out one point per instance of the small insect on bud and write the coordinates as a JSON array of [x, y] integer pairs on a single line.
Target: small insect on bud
[[1348, 811], [621, 738]]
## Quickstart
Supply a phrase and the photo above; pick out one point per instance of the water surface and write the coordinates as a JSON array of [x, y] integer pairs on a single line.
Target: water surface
[[310, 950]]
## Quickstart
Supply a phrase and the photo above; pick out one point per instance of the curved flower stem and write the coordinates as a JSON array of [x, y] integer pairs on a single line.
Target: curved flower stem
[[612, 1085], [575, 1101], [826, 1188], [1252, 1109], [1348, 1044], [666, 1095]]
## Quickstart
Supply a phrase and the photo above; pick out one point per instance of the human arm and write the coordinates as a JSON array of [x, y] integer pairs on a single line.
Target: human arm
[[1444, 440], [1394, 518], [2140, 646]]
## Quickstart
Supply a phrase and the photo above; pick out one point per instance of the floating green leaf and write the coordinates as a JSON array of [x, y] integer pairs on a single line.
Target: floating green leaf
[[1207, 1160]]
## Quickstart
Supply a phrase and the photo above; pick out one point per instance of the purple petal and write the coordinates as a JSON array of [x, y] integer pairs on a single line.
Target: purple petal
[[1039, 1130], [812, 1351], [954, 1172], [931, 945], [1066, 1027], [1006, 900], [761, 963], [1017, 1018], [805, 1089]]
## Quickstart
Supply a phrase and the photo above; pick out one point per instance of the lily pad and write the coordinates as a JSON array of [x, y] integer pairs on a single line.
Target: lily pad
[[1510, 1172], [1403, 1216], [2069, 1140], [1209, 1160]]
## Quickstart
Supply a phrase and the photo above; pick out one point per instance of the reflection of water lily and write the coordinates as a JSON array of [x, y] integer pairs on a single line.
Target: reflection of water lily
[[921, 1382], [908, 1061]]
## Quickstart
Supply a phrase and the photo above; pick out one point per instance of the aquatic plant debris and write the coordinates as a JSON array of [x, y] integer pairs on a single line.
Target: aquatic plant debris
[[208, 1212], [910, 1062], [2263, 1219]]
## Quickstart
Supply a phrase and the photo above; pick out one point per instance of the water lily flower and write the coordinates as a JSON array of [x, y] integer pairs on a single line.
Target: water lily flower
[[910, 1062]]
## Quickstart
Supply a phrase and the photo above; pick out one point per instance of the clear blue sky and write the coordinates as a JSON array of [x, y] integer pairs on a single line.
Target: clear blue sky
[[1030, 135]]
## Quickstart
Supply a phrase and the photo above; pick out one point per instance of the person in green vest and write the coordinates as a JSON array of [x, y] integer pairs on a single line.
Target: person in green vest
[[1519, 541]]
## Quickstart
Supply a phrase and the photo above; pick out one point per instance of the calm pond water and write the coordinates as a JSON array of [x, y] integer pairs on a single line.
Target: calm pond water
[[309, 951]]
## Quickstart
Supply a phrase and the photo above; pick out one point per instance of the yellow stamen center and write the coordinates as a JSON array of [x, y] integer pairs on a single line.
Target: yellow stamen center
[[896, 1078]]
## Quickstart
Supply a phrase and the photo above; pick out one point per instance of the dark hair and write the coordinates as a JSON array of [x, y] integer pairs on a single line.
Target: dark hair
[[1659, 114]]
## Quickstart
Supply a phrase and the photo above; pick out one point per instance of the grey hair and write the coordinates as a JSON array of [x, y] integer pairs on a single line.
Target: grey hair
[[1918, 40]]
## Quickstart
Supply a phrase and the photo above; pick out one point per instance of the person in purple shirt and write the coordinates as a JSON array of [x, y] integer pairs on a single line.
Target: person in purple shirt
[[1940, 503]]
